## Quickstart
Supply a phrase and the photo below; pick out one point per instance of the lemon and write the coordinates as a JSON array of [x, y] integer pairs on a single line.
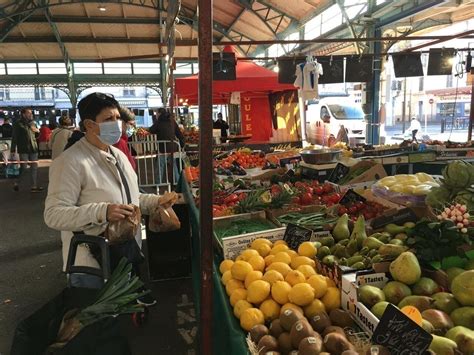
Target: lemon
[[307, 249], [293, 254], [225, 266], [269, 259], [226, 277], [301, 294], [264, 250], [319, 285], [250, 318], [240, 269], [332, 299], [248, 253], [278, 248], [233, 285], [270, 310], [281, 241], [330, 282], [258, 291], [280, 291], [272, 276], [282, 268], [257, 262], [237, 295], [241, 306], [302, 260], [291, 306], [295, 277], [259, 242], [252, 276], [282, 257], [306, 270], [313, 308]]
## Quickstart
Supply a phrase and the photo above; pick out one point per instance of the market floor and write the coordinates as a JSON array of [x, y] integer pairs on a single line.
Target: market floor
[[30, 275]]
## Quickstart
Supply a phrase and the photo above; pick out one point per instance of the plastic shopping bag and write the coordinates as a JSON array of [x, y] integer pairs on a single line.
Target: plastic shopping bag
[[13, 167]]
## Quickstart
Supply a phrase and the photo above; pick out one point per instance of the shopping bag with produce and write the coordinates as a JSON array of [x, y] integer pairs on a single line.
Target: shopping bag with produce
[[13, 167], [163, 218], [125, 229]]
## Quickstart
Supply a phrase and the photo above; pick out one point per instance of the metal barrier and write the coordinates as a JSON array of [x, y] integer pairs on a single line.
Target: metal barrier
[[159, 162]]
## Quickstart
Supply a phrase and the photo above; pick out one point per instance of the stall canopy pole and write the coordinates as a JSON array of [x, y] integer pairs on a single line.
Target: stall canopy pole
[[206, 169], [471, 115]]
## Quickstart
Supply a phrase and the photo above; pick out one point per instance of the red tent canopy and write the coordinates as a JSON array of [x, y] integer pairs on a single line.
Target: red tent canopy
[[251, 78]]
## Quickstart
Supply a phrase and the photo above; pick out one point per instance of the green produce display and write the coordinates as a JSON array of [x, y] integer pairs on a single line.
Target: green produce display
[[243, 227], [314, 221]]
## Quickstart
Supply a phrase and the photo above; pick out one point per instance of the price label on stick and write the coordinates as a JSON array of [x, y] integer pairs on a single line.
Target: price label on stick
[[295, 235], [400, 334]]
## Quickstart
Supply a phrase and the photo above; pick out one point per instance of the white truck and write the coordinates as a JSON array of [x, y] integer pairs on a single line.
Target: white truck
[[327, 116]]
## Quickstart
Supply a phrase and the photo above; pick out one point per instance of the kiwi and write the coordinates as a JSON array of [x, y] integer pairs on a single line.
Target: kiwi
[[350, 352], [381, 350], [333, 329], [320, 321], [341, 318], [267, 343], [293, 352], [275, 328], [288, 318], [284, 343], [310, 346], [300, 330], [337, 343], [272, 353], [257, 332]]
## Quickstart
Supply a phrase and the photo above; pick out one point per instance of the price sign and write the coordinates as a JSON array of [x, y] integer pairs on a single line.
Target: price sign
[[399, 334], [338, 173], [295, 235], [350, 197]]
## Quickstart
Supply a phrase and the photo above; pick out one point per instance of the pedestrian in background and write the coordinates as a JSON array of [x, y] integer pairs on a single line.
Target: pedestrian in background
[[24, 143], [415, 127], [60, 136], [44, 138], [6, 128]]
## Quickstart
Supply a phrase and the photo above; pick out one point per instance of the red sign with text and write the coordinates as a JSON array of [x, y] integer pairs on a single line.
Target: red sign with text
[[256, 118]]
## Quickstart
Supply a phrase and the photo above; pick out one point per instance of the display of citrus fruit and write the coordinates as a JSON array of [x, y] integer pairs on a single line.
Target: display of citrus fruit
[[302, 260], [248, 253], [272, 276], [225, 265], [301, 294], [293, 254], [307, 249], [257, 262], [237, 295], [330, 282], [281, 241], [226, 277], [269, 259], [270, 310], [282, 268], [282, 257], [241, 306], [319, 285], [258, 291], [259, 242], [278, 248], [314, 308], [240, 269], [263, 250], [332, 299], [252, 276], [250, 318], [233, 285], [306, 270], [295, 277], [280, 291]]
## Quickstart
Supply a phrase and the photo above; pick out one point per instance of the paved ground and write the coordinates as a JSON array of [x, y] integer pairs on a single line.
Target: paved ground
[[394, 133], [30, 275]]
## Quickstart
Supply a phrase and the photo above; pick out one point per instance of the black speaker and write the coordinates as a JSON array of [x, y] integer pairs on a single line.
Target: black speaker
[[407, 64], [441, 61], [359, 69], [223, 66], [333, 70], [287, 69]]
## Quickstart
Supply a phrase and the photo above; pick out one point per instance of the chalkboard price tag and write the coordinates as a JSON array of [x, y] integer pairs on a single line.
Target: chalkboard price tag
[[350, 197], [399, 334], [295, 235], [338, 173]]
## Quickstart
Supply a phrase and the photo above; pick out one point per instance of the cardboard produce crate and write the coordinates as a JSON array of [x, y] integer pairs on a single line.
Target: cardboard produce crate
[[231, 247]]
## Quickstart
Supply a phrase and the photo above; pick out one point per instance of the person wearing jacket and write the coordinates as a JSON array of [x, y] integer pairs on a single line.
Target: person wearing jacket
[[88, 182], [6, 128], [166, 129], [128, 119], [60, 136], [24, 143]]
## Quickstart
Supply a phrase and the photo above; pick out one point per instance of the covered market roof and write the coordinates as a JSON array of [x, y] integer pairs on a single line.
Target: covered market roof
[[89, 30]]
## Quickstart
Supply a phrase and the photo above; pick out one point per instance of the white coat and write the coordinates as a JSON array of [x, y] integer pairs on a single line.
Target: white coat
[[83, 180], [59, 138]]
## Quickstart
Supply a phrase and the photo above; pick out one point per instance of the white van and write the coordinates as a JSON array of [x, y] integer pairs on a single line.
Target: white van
[[325, 117]]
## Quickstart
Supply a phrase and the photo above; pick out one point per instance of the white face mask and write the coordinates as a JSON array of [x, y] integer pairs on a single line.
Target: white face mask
[[110, 132]]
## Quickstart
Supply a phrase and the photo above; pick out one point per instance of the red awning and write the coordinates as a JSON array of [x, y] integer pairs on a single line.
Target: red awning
[[251, 78]]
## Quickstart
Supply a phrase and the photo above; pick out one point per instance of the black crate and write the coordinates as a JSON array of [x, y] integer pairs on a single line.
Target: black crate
[[169, 253]]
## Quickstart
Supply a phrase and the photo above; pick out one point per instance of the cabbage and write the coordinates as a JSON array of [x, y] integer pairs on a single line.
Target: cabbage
[[438, 197], [458, 174]]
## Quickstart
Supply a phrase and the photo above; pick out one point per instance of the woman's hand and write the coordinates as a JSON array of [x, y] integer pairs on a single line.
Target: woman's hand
[[116, 212]]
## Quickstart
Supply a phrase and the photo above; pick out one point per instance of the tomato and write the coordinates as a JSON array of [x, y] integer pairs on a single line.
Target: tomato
[[352, 209], [231, 198], [328, 188], [306, 198], [296, 200], [318, 190], [342, 210], [369, 215], [315, 183], [275, 189], [300, 184], [309, 190], [335, 197]]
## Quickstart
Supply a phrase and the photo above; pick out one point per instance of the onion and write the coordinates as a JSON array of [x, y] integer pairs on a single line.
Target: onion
[[459, 218], [463, 208], [453, 218], [444, 215], [466, 215], [466, 222], [464, 230], [447, 210], [460, 225]]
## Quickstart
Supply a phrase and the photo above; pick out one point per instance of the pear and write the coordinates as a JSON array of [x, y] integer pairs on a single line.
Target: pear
[[443, 346], [440, 320], [463, 337], [341, 229], [405, 268], [463, 316], [469, 265], [396, 242], [396, 291], [462, 288], [453, 272], [427, 326], [445, 302], [392, 250], [393, 229], [379, 308], [421, 303], [425, 287], [372, 243], [358, 233], [370, 295]]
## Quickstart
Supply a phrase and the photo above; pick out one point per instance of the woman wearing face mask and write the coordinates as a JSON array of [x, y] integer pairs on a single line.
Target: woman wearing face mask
[[92, 183], [128, 123]]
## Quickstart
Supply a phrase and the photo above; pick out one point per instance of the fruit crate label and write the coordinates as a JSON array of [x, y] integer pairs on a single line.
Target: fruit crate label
[[295, 235], [399, 334]]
